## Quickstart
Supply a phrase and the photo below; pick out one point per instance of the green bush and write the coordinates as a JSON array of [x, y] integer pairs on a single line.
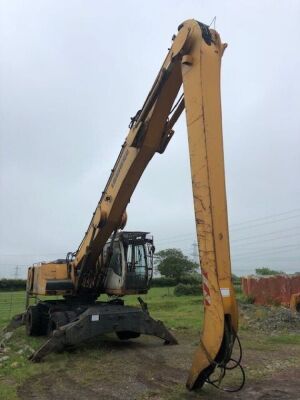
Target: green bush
[[191, 279], [268, 271], [236, 280], [12, 284], [187, 290], [237, 287], [188, 279], [246, 299], [163, 282]]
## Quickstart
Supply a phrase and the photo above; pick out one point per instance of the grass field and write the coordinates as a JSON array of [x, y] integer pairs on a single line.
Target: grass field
[[88, 370], [177, 312]]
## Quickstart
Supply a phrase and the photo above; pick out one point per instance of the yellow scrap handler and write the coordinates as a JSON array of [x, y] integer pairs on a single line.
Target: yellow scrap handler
[[117, 262]]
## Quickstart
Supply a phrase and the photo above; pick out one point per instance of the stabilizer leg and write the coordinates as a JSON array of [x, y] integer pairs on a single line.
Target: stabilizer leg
[[102, 319], [16, 321]]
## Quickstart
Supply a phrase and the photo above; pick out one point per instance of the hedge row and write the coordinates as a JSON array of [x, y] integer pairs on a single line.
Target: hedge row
[[186, 280], [188, 290], [12, 284], [163, 282], [195, 290]]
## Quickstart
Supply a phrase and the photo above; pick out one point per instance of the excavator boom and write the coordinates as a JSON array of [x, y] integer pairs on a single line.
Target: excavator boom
[[192, 63], [194, 60]]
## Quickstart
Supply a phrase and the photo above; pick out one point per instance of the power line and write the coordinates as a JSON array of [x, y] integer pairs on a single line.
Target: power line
[[31, 255], [264, 223], [195, 254], [233, 241], [269, 258], [270, 219], [179, 236], [265, 234], [278, 248], [266, 240], [267, 217], [13, 265], [16, 272]]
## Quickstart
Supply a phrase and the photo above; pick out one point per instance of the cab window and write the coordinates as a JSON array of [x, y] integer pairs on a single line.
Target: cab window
[[115, 262]]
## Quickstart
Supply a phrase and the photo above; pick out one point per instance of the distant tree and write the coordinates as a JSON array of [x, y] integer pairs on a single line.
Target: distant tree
[[268, 271], [172, 263], [235, 278], [12, 284]]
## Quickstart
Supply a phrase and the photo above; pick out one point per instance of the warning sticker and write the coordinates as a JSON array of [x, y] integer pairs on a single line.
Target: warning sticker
[[206, 292], [95, 317], [225, 292]]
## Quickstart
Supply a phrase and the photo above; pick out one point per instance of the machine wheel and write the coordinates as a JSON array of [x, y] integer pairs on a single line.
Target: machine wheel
[[56, 320], [125, 335], [34, 326]]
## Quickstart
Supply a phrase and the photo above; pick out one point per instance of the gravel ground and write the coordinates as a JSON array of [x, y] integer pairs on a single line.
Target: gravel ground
[[145, 369], [270, 319]]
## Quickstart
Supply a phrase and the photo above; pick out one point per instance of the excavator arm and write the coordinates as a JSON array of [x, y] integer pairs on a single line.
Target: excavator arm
[[193, 62]]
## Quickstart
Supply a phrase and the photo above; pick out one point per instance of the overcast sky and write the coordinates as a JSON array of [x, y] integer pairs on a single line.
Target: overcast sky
[[71, 75]]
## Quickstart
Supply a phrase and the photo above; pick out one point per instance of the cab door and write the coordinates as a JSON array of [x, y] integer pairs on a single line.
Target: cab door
[[136, 277], [114, 277]]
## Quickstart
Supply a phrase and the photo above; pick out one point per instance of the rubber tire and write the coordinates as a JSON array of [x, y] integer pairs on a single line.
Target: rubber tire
[[56, 320], [34, 321]]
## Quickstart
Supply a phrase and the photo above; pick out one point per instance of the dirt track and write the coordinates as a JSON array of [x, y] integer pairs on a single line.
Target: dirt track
[[144, 369]]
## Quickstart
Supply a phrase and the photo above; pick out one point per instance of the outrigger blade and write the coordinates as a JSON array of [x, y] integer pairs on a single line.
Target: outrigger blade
[[127, 322]]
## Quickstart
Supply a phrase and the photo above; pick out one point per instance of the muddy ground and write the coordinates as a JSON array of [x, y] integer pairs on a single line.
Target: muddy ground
[[145, 369]]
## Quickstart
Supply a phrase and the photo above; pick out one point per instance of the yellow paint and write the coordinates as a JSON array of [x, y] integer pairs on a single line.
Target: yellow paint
[[295, 301], [194, 63], [36, 282]]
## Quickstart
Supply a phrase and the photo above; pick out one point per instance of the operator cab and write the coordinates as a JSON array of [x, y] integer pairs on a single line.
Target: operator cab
[[129, 259]]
